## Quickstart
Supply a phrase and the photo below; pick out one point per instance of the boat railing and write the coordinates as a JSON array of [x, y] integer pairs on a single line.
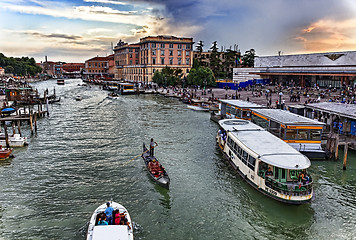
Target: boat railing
[[292, 188]]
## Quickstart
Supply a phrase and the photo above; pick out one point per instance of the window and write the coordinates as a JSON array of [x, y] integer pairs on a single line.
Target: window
[[162, 45], [251, 162], [171, 61], [153, 52], [179, 61], [244, 157], [153, 45], [130, 50], [162, 52], [315, 134], [291, 134], [187, 53], [179, 53], [130, 55], [162, 60], [303, 134], [136, 62], [136, 55], [179, 46], [170, 52], [187, 46], [154, 70], [187, 61], [170, 45], [153, 60], [130, 62]]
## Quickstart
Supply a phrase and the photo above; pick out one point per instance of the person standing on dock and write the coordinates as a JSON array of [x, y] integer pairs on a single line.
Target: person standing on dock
[[153, 144]]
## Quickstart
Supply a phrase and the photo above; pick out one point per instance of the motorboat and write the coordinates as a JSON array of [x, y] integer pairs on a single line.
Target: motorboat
[[14, 140], [78, 98], [5, 153], [113, 95], [110, 232], [265, 161], [60, 81], [161, 177]]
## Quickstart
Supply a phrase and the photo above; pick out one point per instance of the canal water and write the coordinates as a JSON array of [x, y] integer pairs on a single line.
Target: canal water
[[88, 152]]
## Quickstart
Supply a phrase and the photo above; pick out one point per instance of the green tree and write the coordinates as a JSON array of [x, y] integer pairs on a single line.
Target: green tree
[[248, 59], [202, 76], [199, 48], [168, 76], [19, 66], [231, 60], [215, 63]]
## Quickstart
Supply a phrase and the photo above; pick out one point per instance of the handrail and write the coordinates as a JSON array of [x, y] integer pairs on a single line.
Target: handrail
[[297, 187]]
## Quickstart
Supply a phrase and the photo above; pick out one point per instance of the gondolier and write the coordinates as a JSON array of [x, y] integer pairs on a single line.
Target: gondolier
[[152, 146]]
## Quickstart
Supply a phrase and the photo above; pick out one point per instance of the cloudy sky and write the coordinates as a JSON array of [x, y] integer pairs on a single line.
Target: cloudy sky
[[75, 30]]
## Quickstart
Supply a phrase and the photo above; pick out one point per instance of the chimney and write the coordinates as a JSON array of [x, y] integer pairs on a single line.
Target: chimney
[[45, 58]]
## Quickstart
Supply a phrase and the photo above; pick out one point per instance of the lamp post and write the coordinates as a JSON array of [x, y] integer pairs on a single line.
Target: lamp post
[[280, 99]]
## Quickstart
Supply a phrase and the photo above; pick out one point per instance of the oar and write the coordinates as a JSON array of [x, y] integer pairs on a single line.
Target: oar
[[136, 156]]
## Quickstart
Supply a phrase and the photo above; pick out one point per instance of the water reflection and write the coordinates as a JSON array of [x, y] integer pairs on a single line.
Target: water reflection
[[165, 199]]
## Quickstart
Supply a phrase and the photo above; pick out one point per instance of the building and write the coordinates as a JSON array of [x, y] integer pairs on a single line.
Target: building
[[138, 62], [99, 67], [2, 71], [335, 69]]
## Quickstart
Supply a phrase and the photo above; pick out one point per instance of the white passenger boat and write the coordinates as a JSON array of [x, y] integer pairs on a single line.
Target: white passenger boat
[[126, 88], [199, 105], [265, 161], [109, 232], [14, 140]]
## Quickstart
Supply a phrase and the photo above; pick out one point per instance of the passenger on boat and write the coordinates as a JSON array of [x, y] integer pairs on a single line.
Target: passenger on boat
[[155, 167], [123, 220], [301, 177], [108, 212], [117, 217], [269, 172], [152, 146], [102, 220]]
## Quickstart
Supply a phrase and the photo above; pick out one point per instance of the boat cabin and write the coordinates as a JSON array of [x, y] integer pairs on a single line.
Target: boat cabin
[[279, 172], [126, 88], [237, 109], [303, 134]]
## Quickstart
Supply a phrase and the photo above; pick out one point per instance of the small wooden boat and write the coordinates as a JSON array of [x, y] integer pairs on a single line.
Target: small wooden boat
[[161, 179], [108, 232], [5, 153]]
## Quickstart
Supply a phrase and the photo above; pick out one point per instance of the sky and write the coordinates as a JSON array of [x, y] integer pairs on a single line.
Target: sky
[[76, 30]]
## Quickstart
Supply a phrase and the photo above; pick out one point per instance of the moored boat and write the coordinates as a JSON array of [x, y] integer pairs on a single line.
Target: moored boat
[[5, 153], [265, 161], [14, 140], [7, 111], [107, 232], [199, 105], [113, 95], [160, 176]]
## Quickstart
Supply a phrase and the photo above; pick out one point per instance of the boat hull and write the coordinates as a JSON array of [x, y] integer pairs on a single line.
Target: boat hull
[[263, 191], [5, 153]]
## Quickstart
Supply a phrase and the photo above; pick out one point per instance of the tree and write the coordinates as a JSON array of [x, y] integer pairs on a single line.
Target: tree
[[231, 60], [201, 76], [19, 66], [248, 59], [215, 63], [168, 76], [199, 47]]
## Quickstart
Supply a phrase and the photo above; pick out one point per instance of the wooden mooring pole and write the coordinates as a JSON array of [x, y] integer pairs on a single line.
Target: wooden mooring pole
[[337, 147], [346, 147]]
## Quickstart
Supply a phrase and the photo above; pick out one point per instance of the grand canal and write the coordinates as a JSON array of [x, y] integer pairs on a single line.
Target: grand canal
[[87, 152]]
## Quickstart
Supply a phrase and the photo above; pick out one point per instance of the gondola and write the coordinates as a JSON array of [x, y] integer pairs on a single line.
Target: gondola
[[163, 179]]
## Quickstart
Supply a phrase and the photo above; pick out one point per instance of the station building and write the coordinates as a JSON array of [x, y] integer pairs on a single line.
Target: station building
[[333, 69], [139, 61]]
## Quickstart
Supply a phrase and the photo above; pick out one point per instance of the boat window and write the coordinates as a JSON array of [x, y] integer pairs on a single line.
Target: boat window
[[315, 134], [303, 134], [238, 113], [244, 157], [276, 172], [228, 109], [282, 134], [291, 134], [233, 111], [260, 121], [245, 114], [251, 162], [239, 151]]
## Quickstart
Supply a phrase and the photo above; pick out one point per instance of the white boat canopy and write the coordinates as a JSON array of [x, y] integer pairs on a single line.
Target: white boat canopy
[[269, 148]]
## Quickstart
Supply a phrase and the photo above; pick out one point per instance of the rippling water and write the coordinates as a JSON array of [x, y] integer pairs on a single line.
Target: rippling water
[[86, 153]]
